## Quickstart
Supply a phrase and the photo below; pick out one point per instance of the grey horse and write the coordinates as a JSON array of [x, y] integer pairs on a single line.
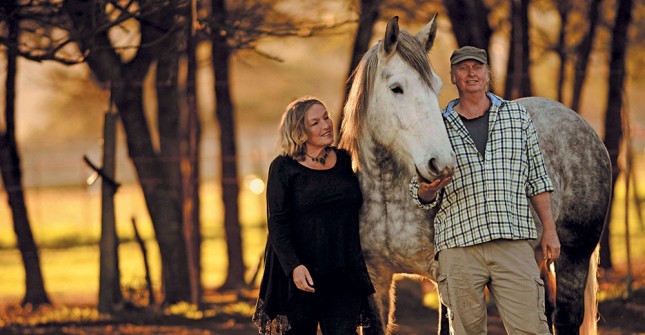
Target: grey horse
[[393, 128]]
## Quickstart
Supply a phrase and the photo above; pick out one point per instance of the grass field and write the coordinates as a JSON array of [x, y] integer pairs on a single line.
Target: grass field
[[66, 226], [65, 222]]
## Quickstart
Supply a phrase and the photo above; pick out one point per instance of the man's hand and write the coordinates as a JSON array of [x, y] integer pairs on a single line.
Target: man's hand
[[302, 279], [550, 244], [428, 191]]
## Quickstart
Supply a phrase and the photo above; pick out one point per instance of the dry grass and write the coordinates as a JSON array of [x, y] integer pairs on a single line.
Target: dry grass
[[68, 233], [68, 237]]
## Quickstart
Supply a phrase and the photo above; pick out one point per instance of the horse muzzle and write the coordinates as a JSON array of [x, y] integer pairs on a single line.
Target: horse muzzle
[[435, 171]]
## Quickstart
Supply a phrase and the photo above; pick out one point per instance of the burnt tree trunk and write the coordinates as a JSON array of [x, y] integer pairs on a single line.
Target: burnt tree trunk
[[109, 275], [369, 13], [614, 115], [168, 121], [221, 56], [161, 198], [190, 132], [469, 19], [563, 8], [583, 52], [11, 170], [518, 78], [160, 193], [167, 69]]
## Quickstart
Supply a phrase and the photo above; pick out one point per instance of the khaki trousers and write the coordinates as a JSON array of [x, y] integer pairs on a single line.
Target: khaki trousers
[[509, 270]]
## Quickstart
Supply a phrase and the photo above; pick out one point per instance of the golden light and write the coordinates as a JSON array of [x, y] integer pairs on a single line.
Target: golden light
[[256, 185], [92, 178]]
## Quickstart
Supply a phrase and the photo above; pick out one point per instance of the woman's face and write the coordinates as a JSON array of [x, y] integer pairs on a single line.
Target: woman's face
[[320, 127]]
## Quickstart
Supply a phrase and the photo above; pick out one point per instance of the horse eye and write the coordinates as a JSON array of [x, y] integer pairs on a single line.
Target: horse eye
[[397, 89]]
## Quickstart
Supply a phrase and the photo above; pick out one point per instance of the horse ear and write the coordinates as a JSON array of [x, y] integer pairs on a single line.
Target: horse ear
[[391, 35], [428, 33]]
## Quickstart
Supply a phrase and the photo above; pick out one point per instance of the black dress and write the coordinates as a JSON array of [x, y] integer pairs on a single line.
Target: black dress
[[313, 220]]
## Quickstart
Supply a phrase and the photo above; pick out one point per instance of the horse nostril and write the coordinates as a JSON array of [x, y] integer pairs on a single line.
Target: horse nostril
[[432, 166]]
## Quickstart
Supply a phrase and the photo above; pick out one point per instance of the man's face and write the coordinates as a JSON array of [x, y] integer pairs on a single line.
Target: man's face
[[470, 76]]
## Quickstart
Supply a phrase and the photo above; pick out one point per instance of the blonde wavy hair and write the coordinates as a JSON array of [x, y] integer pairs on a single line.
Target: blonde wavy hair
[[293, 127]]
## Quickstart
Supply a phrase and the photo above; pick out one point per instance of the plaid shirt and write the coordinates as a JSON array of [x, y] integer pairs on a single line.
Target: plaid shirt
[[488, 196]]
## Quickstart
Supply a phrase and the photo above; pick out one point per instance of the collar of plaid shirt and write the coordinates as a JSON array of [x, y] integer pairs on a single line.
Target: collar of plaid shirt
[[495, 100], [451, 116]]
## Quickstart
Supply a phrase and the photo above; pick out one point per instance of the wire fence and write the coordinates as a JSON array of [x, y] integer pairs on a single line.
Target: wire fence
[[63, 195]]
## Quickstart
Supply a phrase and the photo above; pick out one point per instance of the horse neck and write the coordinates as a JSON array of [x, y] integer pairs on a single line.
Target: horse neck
[[379, 167]]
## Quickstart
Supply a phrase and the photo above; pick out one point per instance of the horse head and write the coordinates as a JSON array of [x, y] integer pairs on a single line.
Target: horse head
[[393, 104]]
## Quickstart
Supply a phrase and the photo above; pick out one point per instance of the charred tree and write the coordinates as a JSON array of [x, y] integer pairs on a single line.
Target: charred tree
[[469, 20], [190, 132], [369, 14], [583, 52], [518, 78], [614, 115], [11, 170], [157, 31], [224, 110], [110, 296], [564, 7]]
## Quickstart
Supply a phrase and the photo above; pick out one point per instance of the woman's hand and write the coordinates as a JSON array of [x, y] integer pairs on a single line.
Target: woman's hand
[[302, 279]]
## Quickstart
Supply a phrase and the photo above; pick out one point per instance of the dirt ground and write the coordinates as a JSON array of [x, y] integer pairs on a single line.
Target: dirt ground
[[228, 314]]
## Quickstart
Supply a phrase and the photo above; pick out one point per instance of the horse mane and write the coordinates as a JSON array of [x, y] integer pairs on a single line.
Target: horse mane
[[362, 79]]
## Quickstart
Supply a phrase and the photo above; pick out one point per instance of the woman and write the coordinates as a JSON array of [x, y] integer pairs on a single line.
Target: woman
[[315, 272]]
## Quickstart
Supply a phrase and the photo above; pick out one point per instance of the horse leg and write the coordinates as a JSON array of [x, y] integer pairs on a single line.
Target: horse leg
[[444, 321], [572, 272], [389, 307], [376, 326], [590, 320], [380, 300]]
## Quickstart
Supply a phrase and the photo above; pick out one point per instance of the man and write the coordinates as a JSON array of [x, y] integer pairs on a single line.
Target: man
[[483, 223]]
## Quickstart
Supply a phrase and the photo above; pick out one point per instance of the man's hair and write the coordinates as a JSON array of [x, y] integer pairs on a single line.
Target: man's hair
[[293, 127], [491, 85]]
